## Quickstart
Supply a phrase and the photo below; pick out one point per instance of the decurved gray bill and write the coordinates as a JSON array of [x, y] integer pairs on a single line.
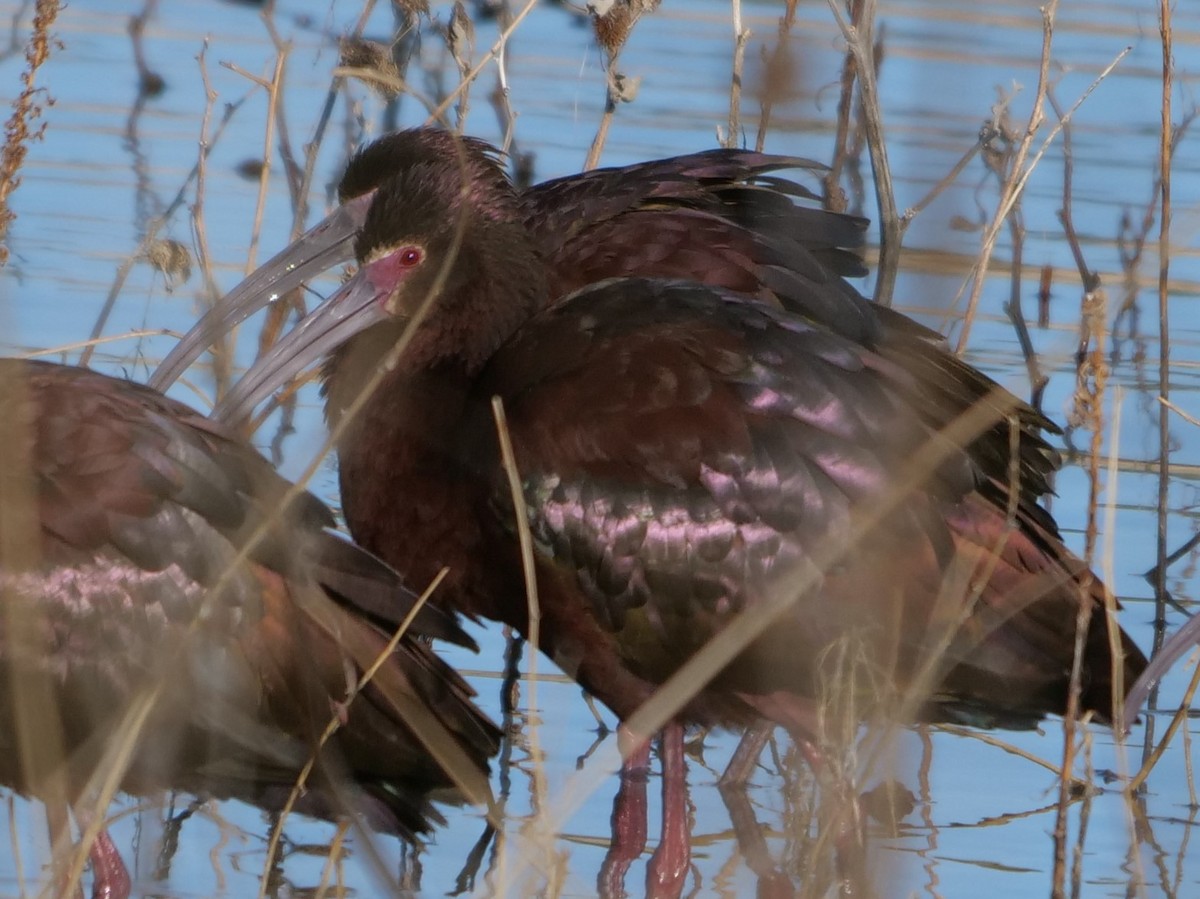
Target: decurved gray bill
[[1179, 643], [326, 244], [351, 309]]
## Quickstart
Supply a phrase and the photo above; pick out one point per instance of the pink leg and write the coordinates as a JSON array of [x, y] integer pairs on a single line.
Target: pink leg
[[772, 883], [668, 868], [849, 837], [745, 757], [110, 878], [628, 819], [801, 720]]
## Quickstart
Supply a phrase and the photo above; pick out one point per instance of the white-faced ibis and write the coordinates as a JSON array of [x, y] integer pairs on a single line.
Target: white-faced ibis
[[717, 216], [130, 622], [688, 446]]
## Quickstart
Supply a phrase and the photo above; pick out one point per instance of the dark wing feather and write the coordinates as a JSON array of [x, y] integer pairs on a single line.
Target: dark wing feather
[[684, 450], [622, 211], [680, 447]]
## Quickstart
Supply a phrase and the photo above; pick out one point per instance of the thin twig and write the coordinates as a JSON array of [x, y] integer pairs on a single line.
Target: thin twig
[[1018, 175], [438, 114], [154, 227], [273, 87], [986, 134], [1017, 186]]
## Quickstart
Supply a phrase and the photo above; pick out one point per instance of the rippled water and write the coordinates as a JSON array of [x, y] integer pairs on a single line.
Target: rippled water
[[110, 163]]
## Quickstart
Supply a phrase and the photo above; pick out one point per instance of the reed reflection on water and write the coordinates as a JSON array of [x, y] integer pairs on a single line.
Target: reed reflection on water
[[115, 159]]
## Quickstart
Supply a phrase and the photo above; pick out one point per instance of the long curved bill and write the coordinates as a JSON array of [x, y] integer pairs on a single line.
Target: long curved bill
[[325, 245], [1180, 643], [357, 305]]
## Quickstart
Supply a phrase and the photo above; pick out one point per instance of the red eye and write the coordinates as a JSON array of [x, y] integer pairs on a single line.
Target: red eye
[[410, 256]]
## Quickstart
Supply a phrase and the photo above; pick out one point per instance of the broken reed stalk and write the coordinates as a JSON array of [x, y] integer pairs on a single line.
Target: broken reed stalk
[[19, 130]]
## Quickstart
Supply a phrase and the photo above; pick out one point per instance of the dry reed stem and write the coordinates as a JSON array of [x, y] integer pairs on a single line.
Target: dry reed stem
[[333, 862], [539, 784], [221, 352], [293, 171], [1164, 336], [1010, 748], [17, 133], [502, 99], [741, 36], [1093, 377], [335, 723], [460, 41], [1190, 419], [1108, 571], [606, 117], [276, 312], [65, 349], [860, 37]]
